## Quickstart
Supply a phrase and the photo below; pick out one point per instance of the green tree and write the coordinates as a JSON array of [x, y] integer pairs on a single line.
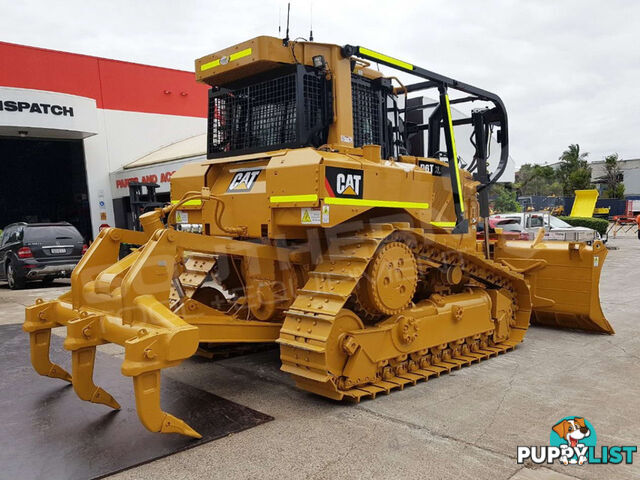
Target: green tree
[[505, 200], [555, 189], [574, 172], [613, 177], [537, 180]]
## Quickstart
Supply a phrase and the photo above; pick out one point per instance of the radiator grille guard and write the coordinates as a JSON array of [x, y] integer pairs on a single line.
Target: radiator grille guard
[[367, 112], [284, 109]]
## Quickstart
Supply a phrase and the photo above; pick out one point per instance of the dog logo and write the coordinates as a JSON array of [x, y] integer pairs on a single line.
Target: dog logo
[[573, 441], [243, 180], [573, 432], [344, 182]]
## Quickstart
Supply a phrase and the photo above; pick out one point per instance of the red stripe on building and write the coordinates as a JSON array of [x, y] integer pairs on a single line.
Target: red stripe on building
[[115, 85]]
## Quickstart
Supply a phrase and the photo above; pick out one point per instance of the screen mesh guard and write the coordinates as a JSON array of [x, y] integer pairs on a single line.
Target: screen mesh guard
[[284, 109]]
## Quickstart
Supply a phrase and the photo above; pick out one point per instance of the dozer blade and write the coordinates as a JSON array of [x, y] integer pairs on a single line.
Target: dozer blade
[[564, 278]]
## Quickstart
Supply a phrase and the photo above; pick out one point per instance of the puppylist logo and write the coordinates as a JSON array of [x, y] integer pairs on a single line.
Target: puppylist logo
[[572, 441]]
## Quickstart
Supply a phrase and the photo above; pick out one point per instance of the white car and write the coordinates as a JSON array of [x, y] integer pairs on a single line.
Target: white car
[[555, 229]]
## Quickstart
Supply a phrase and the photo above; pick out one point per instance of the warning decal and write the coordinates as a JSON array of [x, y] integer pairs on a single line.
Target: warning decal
[[182, 216], [325, 214], [310, 216]]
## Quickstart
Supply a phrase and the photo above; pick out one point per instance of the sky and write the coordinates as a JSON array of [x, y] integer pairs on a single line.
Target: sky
[[568, 71]]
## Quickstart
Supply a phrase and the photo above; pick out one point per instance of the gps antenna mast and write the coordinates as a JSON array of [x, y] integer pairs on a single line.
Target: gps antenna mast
[[311, 21], [286, 38]]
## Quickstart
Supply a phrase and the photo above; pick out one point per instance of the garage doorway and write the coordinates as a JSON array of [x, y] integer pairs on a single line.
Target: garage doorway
[[44, 181]]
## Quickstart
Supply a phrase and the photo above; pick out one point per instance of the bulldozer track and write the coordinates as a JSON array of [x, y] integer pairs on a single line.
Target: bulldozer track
[[412, 377], [305, 338]]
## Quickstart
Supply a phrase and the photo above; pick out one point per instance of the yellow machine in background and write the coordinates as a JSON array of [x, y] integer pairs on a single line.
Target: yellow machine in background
[[324, 229], [584, 203], [555, 207]]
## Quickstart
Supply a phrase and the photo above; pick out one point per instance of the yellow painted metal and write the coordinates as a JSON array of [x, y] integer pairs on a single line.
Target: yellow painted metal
[[433, 324], [234, 56], [564, 278], [602, 211], [444, 224], [189, 202], [584, 203], [386, 58], [392, 280], [454, 152], [217, 327], [328, 354], [111, 277], [359, 202], [312, 197], [268, 53], [365, 291], [127, 302], [153, 337]]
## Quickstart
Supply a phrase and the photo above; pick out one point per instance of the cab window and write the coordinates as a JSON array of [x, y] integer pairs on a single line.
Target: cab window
[[535, 221]]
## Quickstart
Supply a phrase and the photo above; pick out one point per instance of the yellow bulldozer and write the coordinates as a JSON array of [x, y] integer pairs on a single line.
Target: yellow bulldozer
[[331, 222]]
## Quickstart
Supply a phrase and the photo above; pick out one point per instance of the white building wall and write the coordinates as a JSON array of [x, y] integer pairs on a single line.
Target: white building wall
[[632, 181], [630, 169], [97, 165], [132, 134], [122, 138]]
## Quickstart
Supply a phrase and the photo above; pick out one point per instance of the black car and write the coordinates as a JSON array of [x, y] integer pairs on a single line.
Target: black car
[[39, 251]]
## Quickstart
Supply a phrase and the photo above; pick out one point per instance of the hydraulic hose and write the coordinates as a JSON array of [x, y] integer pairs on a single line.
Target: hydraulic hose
[[170, 211]]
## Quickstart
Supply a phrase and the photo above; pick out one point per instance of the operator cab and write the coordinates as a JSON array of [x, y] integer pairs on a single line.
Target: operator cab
[[270, 94]]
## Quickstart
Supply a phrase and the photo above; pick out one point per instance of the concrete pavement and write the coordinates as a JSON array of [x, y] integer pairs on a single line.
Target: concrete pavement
[[463, 425]]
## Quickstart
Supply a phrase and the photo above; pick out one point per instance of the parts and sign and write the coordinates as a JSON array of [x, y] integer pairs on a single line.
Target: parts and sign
[[158, 174], [163, 177]]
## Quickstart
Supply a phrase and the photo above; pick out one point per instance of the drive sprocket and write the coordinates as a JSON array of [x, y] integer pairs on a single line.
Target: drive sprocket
[[390, 280]]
